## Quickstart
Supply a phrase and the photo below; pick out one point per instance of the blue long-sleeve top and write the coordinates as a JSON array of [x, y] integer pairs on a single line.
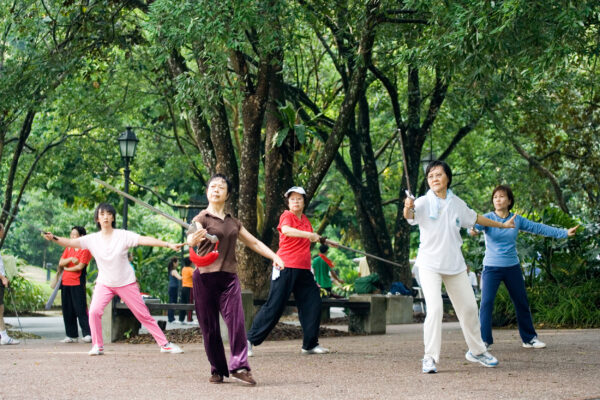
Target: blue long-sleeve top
[[501, 244]]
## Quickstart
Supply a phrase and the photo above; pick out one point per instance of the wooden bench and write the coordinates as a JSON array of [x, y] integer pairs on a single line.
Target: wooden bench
[[367, 314]]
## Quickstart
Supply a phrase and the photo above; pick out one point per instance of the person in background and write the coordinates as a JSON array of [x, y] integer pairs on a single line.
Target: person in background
[[174, 280], [187, 284], [473, 279], [4, 338], [73, 263], [109, 247], [323, 270], [130, 259], [501, 264], [363, 267]]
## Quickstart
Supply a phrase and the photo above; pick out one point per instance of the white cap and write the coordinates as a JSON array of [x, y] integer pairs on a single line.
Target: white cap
[[295, 189]]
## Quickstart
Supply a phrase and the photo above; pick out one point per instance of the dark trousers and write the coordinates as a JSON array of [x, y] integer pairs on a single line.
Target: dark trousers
[[184, 299], [302, 283], [173, 291], [214, 293], [74, 307], [513, 279]]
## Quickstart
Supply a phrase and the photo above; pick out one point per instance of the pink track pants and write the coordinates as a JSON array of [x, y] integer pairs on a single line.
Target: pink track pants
[[131, 295]]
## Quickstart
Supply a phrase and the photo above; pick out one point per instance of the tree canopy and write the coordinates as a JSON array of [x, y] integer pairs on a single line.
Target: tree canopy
[[280, 93]]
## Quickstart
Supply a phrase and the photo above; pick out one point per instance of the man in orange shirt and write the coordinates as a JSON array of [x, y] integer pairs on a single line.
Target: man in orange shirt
[[186, 287]]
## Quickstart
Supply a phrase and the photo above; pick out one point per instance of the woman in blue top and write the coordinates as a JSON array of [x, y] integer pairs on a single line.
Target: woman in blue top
[[501, 264]]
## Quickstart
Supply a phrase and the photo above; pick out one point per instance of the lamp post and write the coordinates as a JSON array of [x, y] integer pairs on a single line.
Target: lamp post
[[183, 214], [127, 144], [426, 160]]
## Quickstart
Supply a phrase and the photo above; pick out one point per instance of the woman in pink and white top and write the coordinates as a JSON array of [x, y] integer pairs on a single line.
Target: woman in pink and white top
[[109, 247]]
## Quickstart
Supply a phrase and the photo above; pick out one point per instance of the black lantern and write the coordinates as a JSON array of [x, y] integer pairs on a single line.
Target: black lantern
[[127, 144], [426, 160]]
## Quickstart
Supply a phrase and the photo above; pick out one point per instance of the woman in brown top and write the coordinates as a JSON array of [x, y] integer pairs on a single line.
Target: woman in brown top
[[217, 287]]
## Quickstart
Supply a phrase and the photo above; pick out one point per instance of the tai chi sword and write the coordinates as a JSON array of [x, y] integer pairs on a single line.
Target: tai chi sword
[[190, 228], [408, 191], [331, 243], [54, 292]]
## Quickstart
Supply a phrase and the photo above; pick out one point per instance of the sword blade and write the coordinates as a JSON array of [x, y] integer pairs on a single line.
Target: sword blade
[[212, 238], [405, 164], [15, 218], [336, 244], [54, 292]]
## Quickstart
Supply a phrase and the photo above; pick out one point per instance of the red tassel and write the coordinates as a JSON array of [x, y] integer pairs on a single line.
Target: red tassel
[[206, 260]]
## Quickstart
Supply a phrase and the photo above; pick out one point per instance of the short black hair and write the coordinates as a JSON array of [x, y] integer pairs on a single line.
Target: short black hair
[[187, 262], [445, 167], [323, 248], [80, 230], [172, 262], [506, 189], [105, 207], [220, 176]]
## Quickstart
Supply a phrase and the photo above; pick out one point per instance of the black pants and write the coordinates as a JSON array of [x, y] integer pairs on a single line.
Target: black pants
[[74, 307], [184, 299], [302, 283], [173, 292]]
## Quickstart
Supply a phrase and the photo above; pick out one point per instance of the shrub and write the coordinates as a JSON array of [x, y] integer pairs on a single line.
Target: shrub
[[554, 306], [27, 297]]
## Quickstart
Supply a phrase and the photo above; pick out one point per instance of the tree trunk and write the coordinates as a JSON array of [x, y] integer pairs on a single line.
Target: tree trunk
[[351, 97], [199, 125], [253, 110]]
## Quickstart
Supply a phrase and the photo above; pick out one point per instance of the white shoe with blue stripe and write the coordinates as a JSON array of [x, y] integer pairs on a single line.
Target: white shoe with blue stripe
[[429, 365], [485, 359]]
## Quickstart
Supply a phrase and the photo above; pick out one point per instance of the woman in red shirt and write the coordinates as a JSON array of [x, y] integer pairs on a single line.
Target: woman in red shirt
[[295, 236], [73, 262]]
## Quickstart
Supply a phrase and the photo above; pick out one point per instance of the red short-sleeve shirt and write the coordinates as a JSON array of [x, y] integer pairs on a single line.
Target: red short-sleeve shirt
[[71, 278], [294, 251]]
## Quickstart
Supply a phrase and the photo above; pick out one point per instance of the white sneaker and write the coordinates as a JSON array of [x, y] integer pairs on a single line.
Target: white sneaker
[[86, 339], [485, 359], [250, 350], [183, 322], [534, 343], [429, 365], [96, 351], [175, 322], [316, 350], [69, 340], [171, 348], [6, 340]]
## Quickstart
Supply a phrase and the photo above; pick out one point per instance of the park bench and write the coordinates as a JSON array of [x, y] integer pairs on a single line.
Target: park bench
[[362, 314], [368, 314]]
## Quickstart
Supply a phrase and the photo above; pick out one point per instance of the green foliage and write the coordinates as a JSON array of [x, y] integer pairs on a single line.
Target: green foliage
[[555, 306], [27, 296], [566, 292]]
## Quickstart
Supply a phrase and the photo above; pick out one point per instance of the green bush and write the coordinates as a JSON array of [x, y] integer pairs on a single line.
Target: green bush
[[562, 276], [27, 297], [554, 306]]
